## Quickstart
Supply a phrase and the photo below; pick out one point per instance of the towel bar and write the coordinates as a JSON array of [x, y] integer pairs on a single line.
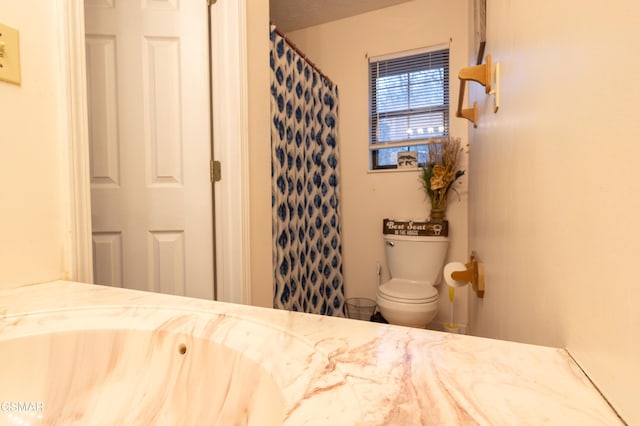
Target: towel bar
[[480, 74]]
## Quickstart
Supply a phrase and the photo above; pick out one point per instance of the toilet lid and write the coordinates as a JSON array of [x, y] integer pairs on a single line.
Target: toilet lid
[[407, 291]]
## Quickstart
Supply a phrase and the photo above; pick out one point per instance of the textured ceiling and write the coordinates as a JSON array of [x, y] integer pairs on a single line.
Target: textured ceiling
[[290, 15]]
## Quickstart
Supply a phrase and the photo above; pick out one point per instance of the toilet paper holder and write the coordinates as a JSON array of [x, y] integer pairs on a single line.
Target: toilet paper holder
[[474, 274]]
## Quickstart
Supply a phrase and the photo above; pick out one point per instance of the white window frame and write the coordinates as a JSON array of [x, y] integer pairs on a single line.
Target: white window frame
[[374, 144]]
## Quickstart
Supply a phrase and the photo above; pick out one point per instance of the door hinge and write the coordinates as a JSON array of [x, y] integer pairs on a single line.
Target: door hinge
[[215, 170]]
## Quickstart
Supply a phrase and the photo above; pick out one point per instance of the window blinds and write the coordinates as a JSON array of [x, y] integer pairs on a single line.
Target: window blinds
[[409, 99]]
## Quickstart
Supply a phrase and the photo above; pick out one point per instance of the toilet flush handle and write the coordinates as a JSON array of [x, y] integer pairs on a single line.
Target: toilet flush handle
[[390, 243]]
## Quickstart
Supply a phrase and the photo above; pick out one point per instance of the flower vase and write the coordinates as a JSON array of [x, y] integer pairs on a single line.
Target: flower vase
[[437, 214]]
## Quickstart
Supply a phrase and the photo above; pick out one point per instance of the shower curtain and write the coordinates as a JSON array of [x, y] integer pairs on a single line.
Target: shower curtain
[[307, 249]]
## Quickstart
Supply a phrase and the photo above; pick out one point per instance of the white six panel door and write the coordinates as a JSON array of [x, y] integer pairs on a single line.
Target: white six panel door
[[151, 194]]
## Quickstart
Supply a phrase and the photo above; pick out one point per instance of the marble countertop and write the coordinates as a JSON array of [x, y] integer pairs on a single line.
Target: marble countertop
[[335, 370]]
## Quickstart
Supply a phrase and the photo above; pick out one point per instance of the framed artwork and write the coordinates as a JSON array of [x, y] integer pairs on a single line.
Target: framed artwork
[[480, 28]]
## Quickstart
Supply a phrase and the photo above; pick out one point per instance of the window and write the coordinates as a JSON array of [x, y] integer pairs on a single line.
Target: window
[[408, 104]]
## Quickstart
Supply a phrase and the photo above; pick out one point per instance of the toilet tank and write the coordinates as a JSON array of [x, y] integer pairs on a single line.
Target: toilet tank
[[416, 258]]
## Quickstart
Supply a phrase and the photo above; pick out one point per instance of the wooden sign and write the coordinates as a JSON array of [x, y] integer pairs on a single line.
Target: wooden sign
[[415, 228]]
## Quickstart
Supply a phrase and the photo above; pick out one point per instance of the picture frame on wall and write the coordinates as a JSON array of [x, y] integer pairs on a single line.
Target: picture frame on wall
[[480, 28]]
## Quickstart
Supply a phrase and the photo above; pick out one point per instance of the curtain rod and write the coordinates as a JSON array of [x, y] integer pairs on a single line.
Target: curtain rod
[[301, 53]]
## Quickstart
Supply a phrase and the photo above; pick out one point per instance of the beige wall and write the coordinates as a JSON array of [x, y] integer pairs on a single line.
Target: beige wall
[[260, 152], [555, 187], [32, 223], [340, 49]]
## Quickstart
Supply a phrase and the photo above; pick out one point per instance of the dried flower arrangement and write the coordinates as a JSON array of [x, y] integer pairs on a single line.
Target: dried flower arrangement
[[439, 174]]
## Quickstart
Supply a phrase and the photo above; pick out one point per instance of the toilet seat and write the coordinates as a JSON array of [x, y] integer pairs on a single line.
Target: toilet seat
[[407, 291]]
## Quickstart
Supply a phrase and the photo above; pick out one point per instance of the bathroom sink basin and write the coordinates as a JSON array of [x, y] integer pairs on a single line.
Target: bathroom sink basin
[[156, 365], [134, 377]]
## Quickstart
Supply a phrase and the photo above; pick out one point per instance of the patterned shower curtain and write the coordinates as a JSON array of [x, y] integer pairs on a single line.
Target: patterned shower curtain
[[307, 248]]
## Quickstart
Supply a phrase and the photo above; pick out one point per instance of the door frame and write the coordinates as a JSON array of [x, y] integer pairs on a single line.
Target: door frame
[[232, 244]]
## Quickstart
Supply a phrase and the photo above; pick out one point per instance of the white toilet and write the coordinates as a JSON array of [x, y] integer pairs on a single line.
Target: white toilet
[[415, 264]]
